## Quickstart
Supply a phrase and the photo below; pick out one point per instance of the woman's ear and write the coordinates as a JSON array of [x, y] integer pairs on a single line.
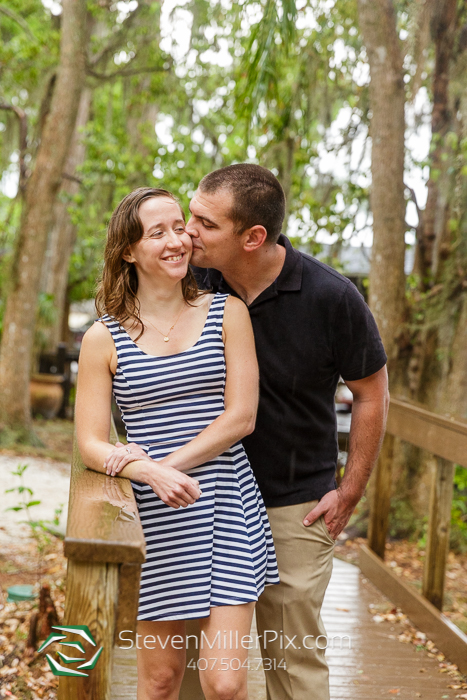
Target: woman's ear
[[127, 256]]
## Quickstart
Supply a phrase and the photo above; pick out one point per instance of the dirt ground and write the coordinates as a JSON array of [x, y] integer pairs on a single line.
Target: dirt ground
[[24, 677]]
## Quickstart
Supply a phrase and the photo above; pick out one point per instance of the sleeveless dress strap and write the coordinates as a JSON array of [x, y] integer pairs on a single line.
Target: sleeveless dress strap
[[120, 337], [215, 317], [111, 323]]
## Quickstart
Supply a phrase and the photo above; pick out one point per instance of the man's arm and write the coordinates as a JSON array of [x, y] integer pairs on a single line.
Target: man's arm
[[369, 413]]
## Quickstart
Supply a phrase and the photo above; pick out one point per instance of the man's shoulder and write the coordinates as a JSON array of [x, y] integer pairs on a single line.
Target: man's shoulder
[[315, 268], [321, 279]]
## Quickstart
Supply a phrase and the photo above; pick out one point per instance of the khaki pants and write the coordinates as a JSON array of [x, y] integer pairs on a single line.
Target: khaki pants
[[288, 616]]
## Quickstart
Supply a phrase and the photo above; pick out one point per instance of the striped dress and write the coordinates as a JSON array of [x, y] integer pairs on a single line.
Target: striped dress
[[218, 550]]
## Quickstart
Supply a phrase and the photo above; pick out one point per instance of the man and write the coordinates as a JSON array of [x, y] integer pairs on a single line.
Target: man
[[311, 326]]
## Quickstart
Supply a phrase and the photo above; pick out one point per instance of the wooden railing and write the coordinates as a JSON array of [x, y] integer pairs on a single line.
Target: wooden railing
[[105, 548], [447, 440]]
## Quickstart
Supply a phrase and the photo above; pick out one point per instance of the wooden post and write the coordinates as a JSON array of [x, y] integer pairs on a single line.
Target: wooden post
[[105, 548], [128, 598], [438, 532], [63, 368], [381, 498], [91, 599]]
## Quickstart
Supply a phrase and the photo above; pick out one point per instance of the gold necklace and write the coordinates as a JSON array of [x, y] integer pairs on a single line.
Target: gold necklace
[[165, 335]]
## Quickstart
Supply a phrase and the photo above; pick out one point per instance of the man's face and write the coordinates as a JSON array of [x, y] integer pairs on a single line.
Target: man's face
[[215, 243]]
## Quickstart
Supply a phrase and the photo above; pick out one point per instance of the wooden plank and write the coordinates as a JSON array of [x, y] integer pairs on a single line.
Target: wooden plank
[[128, 597], [380, 499], [103, 521], [447, 637], [439, 524], [91, 599], [374, 664], [444, 437]]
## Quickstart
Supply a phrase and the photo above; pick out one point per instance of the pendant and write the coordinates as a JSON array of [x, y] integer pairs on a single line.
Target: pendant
[[166, 338]]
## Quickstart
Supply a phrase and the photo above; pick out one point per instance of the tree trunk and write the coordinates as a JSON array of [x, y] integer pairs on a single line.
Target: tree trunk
[[21, 307], [63, 233], [140, 126], [434, 217], [387, 98], [437, 368]]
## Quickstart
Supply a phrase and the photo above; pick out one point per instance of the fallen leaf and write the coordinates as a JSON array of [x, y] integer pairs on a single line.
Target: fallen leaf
[[394, 691]]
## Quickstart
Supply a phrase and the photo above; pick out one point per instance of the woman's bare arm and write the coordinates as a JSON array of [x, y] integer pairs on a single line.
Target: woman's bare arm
[[93, 405]]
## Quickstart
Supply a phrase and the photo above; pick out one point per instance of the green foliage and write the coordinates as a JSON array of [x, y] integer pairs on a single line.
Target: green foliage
[[39, 528], [458, 536], [288, 76], [404, 523]]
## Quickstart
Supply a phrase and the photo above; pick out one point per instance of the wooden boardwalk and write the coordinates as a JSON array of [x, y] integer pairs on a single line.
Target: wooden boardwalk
[[375, 666]]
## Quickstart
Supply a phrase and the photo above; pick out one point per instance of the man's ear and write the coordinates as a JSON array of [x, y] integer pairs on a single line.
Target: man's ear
[[254, 238], [127, 256]]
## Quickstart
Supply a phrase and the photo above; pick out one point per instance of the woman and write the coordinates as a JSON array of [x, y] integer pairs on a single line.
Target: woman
[[182, 367]]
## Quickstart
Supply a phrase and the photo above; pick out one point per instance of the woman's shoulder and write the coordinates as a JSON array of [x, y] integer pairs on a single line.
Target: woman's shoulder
[[235, 309], [226, 302], [234, 302], [98, 333]]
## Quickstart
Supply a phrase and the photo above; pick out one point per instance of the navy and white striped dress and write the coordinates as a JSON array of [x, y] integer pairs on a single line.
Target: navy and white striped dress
[[218, 550]]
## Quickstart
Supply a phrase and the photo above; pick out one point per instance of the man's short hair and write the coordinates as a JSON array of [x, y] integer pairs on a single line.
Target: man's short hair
[[258, 197]]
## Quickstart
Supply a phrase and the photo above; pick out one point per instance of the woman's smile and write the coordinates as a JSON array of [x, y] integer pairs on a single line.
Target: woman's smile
[[175, 258]]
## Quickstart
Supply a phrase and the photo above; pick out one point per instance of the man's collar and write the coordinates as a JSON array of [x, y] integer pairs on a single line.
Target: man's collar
[[290, 277]]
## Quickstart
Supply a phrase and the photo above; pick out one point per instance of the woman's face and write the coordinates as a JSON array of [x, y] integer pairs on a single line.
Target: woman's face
[[165, 248]]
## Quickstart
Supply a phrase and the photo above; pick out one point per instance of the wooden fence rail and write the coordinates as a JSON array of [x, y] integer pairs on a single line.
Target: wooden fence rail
[[105, 548], [447, 440]]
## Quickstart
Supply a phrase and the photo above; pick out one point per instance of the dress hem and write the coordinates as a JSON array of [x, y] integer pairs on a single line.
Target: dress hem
[[202, 617]]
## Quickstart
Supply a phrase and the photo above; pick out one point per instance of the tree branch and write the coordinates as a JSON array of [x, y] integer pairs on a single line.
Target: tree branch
[[124, 73], [73, 178], [19, 20], [117, 38], [23, 134], [413, 198]]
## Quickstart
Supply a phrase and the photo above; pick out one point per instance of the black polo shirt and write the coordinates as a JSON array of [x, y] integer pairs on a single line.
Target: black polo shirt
[[311, 326]]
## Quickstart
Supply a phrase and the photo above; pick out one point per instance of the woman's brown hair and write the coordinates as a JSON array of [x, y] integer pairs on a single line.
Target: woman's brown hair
[[117, 289]]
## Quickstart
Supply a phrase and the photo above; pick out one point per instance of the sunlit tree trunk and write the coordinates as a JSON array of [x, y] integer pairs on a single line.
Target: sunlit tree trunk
[[62, 235], [21, 308], [387, 98], [433, 369]]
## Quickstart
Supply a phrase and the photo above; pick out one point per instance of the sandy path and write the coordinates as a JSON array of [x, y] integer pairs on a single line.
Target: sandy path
[[50, 483]]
